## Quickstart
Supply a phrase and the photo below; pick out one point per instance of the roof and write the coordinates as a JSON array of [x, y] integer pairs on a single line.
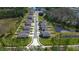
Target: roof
[[58, 28], [26, 28], [22, 34], [27, 24], [43, 28], [30, 17], [45, 34]]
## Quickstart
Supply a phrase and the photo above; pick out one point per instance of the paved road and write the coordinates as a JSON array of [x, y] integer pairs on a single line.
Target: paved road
[[35, 37]]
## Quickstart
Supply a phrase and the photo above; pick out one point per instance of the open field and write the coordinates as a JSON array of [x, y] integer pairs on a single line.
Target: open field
[[8, 26]]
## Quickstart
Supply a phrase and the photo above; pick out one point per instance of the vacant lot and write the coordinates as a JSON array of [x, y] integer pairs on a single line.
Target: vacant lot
[[8, 26]]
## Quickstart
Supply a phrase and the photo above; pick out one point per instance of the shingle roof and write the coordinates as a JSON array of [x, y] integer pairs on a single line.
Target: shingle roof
[[44, 34]]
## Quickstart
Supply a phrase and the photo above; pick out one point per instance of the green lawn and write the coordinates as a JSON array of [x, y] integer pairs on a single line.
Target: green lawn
[[62, 41], [50, 28], [72, 49], [40, 18], [16, 42], [45, 41]]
